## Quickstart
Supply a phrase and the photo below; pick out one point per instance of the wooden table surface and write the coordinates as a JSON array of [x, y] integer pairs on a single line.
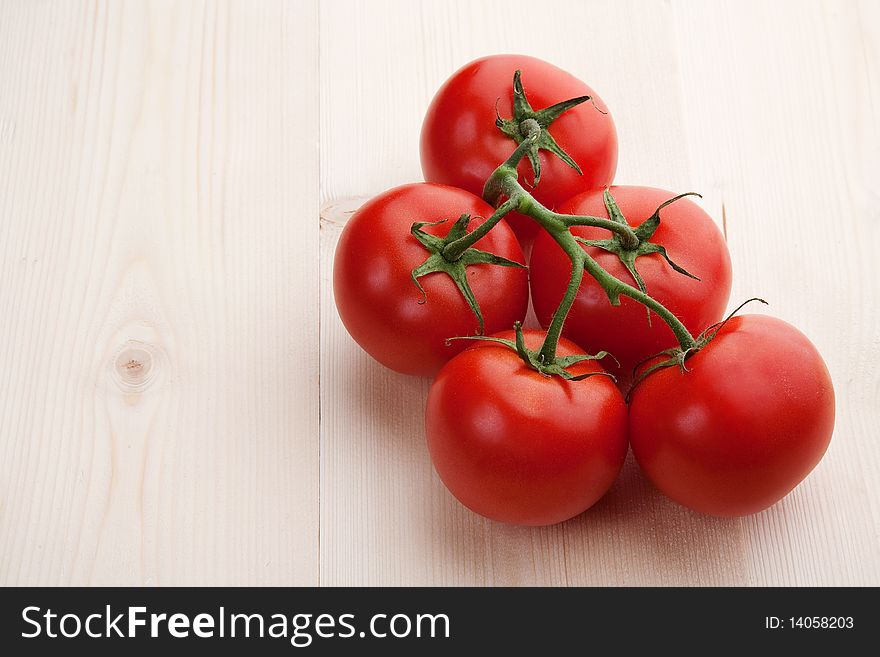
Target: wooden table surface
[[166, 414]]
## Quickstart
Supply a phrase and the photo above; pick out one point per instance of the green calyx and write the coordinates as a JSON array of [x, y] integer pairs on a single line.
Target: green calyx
[[455, 268], [678, 355], [523, 123], [628, 249], [558, 366]]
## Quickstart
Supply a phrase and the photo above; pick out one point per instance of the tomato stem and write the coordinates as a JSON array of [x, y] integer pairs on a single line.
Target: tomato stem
[[556, 225], [554, 331], [607, 281], [528, 128], [454, 250], [504, 182], [627, 234]]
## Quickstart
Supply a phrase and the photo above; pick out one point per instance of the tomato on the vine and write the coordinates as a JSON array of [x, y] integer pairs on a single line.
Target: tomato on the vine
[[380, 304], [691, 239], [737, 432], [520, 447], [524, 427], [461, 144]]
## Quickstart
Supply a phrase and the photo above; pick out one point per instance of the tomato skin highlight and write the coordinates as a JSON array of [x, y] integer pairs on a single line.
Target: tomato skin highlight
[[518, 447], [747, 423], [461, 145], [692, 240], [378, 301]]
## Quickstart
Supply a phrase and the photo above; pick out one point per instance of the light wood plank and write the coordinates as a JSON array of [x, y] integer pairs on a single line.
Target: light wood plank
[[781, 104], [157, 186]]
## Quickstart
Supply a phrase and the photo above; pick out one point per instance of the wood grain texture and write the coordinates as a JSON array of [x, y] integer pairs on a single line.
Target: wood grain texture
[[771, 112], [156, 188], [795, 167], [160, 179]]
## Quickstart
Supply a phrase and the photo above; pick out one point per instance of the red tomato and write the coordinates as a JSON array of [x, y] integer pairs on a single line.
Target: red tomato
[[520, 447], [743, 427], [375, 295], [692, 241], [462, 146]]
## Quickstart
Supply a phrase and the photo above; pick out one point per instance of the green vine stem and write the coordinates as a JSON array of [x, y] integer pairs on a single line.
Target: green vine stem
[[504, 184], [614, 287], [504, 181]]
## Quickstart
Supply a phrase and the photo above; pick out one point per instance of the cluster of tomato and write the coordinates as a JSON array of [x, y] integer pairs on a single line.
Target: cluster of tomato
[[746, 415]]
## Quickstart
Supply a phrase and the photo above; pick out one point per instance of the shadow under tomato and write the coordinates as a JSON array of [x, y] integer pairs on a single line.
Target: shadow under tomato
[[642, 538], [633, 536], [387, 519]]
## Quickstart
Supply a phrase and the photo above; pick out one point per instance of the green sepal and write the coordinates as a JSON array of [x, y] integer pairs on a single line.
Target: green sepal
[[628, 254], [522, 111], [532, 359], [455, 269], [674, 356], [649, 226], [677, 355]]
